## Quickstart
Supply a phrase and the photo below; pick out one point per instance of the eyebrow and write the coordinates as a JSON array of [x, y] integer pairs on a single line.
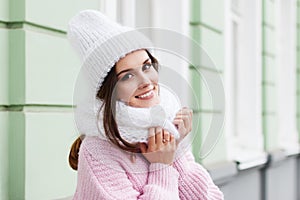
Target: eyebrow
[[126, 70]]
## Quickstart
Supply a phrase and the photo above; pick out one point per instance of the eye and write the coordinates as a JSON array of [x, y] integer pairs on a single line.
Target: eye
[[126, 76], [147, 66]]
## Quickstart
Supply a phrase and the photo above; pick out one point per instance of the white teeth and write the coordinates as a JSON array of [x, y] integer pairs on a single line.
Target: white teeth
[[145, 95]]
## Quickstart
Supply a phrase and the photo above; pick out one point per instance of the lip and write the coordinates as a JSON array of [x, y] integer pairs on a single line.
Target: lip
[[151, 94]]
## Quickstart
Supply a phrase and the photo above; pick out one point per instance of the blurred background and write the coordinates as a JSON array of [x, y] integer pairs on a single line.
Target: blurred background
[[254, 46]]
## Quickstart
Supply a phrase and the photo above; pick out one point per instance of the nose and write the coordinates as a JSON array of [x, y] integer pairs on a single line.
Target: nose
[[144, 82]]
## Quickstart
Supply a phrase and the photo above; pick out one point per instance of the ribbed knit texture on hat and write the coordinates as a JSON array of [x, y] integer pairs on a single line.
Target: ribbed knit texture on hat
[[101, 42]]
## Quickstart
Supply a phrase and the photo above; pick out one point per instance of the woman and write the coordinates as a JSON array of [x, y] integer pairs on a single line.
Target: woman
[[119, 163]]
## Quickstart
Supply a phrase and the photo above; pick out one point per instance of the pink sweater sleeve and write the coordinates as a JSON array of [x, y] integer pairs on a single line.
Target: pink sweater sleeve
[[99, 181], [194, 180]]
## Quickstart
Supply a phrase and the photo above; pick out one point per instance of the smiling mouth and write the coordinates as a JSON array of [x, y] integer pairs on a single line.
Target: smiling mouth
[[146, 95]]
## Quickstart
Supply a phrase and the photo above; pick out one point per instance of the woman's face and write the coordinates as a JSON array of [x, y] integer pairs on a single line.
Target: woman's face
[[137, 80]]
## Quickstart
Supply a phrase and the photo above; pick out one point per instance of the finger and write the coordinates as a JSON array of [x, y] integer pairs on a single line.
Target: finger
[[191, 120], [180, 127], [172, 140], [185, 117], [151, 137], [178, 123], [191, 113], [166, 136], [187, 120], [183, 111], [158, 135], [188, 112]]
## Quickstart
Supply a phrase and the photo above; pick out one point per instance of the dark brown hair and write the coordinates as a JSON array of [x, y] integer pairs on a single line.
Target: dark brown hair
[[105, 93]]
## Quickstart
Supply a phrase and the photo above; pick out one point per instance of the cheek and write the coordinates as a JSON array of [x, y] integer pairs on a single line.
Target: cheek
[[125, 91], [154, 76]]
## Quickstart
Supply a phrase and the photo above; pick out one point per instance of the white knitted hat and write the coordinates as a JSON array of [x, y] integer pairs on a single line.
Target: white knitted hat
[[101, 42]]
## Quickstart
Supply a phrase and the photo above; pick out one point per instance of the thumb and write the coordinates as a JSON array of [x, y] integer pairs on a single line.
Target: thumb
[[143, 148]]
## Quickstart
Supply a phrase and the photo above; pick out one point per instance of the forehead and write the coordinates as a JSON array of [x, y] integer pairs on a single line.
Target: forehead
[[132, 60]]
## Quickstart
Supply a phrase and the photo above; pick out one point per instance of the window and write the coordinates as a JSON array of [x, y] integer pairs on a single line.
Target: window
[[109, 8], [286, 73], [243, 82]]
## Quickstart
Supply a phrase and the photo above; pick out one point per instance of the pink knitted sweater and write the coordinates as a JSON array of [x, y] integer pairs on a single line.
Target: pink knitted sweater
[[106, 172]]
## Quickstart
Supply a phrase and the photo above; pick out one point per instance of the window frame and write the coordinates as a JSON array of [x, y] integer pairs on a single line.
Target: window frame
[[286, 14], [247, 147]]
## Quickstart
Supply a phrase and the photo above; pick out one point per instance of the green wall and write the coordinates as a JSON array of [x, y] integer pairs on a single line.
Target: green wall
[[38, 73], [207, 30], [269, 85]]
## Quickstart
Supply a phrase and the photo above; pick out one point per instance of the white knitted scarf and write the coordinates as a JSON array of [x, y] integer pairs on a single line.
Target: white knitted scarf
[[134, 123]]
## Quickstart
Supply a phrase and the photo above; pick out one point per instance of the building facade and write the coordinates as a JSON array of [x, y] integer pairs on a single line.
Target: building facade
[[250, 49]]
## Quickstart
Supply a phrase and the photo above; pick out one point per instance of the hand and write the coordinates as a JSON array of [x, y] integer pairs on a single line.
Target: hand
[[183, 122], [161, 146]]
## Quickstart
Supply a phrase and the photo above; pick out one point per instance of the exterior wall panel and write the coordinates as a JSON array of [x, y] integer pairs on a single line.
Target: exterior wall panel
[[206, 29], [4, 12], [4, 158], [51, 69], [211, 13], [4, 65], [49, 136]]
